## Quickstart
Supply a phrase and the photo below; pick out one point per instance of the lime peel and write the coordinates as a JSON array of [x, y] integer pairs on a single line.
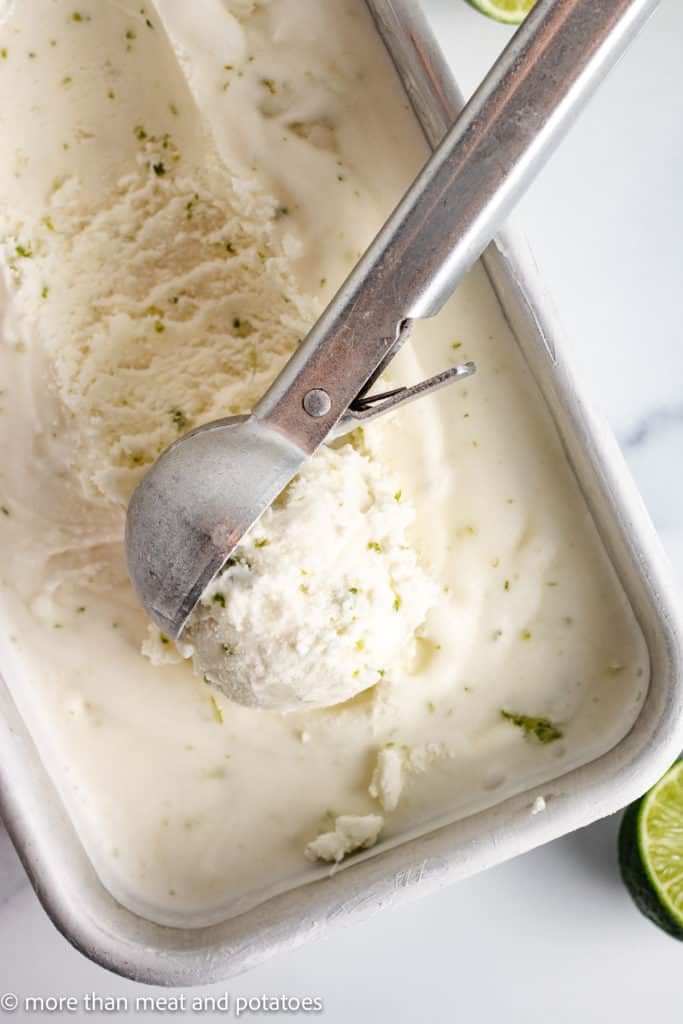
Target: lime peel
[[510, 12], [651, 852]]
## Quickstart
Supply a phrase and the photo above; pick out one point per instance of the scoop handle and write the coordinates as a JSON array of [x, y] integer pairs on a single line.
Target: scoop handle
[[450, 213]]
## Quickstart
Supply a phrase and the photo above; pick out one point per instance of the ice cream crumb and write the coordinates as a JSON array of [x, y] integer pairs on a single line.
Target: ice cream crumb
[[422, 756], [351, 832], [386, 784], [538, 805]]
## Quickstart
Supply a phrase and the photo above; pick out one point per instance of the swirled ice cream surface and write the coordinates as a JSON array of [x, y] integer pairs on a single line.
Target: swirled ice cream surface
[[182, 188]]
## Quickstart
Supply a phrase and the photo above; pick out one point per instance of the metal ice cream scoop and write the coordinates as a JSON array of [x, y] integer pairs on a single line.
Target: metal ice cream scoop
[[209, 488]]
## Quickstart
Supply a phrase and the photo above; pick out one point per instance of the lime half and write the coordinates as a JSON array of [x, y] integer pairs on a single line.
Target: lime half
[[512, 12], [651, 852]]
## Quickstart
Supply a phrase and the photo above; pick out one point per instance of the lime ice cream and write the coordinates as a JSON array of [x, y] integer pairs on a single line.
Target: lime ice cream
[[182, 188]]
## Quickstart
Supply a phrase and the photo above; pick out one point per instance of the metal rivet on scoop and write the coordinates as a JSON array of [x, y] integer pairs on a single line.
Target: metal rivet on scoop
[[317, 402]]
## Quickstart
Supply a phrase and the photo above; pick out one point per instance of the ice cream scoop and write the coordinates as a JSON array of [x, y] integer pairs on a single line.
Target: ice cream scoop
[[209, 488]]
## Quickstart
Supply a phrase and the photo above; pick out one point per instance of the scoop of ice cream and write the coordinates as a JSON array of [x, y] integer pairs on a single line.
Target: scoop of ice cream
[[322, 598]]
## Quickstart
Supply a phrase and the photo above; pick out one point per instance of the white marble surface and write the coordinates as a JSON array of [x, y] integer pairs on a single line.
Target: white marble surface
[[552, 936]]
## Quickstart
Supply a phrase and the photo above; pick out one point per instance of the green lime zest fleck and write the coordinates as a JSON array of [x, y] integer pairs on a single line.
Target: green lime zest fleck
[[130, 34], [397, 604], [179, 419], [67, 80], [373, 546], [261, 542], [140, 133], [397, 495], [525, 634], [24, 251], [218, 598], [80, 609], [159, 327], [163, 638], [159, 169], [543, 729], [506, 585], [227, 649], [45, 292], [4, 510], [269, 84], [216, 710], [353, 590], [431, 707]]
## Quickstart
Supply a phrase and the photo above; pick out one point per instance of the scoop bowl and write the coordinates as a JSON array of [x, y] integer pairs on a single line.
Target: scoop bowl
[[193, 507]]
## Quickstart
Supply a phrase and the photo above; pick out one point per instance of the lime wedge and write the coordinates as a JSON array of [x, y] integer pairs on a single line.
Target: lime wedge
[[512, 12], [651, 852]]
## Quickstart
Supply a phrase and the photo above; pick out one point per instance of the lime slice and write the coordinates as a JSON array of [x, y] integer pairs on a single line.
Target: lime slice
[[651, 852], [512, 12]]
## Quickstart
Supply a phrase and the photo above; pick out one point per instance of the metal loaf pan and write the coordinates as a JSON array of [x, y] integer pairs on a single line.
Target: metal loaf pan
[[51, 851]]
